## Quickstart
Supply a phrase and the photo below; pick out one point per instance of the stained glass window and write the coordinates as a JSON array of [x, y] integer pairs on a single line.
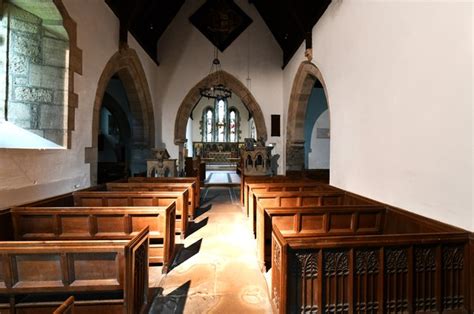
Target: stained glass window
[[233, 129], [220, 124], [208, 122]]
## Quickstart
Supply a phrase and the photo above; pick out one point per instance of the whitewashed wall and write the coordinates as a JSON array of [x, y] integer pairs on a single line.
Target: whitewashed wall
[[399, 80], [27, 175], [185, 58], [318, 157]]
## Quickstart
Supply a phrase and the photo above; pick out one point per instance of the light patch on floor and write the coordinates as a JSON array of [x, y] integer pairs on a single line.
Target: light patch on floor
[[217, 270]]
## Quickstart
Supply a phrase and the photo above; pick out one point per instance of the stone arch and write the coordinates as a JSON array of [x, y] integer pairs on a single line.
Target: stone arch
[[193, 96], [126, 65], [305, 77]]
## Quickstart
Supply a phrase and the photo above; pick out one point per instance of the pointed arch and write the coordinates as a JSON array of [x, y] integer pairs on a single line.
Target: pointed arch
[[193, 96], [126, 64], [305, 78]]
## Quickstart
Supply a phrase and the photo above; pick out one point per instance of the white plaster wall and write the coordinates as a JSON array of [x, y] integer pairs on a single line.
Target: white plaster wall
[[399, 80], [318, 158], [27, 175], [185, 58]]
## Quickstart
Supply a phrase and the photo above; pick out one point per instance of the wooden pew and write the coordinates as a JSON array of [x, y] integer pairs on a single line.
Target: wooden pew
[[275, 187], [283, 185], [194, 180], [311, 221], [115, 198], [246, 180], [32, 273], [67, 307], [385, 273], [159, 186], [100, 223]]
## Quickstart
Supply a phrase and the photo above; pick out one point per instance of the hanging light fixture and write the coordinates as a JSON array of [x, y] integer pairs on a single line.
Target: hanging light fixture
[[216, 89]]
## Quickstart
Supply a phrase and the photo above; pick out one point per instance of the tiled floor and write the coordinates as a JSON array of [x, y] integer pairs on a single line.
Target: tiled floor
[[222, 176], [217, 270]]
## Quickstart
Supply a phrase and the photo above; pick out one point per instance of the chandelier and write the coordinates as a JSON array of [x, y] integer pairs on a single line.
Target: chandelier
[[216, 89]]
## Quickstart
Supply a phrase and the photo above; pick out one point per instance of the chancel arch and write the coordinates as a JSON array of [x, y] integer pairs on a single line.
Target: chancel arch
[[126, 65], [307, 76], [193, 97]]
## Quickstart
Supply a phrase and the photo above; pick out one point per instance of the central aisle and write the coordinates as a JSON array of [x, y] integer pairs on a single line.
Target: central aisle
[[217, 270]]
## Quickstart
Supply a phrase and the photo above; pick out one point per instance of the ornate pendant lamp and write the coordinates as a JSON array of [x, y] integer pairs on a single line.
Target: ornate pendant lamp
[[216, 89]]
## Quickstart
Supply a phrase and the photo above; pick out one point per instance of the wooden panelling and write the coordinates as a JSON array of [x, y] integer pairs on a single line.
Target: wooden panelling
[[196, 180], [127, 198], [99, 223], [314, 221], [161, 186], [373, 273], [69, 267]]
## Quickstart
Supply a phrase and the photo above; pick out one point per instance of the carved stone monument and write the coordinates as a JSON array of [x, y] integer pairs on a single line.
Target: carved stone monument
[[256, 158], [162, 165]]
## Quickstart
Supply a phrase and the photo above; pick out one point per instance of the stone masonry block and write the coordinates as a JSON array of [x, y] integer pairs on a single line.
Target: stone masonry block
[[33, 94], [61, 97], [47, 77], [18, 64], [55, 52], [20, 114], [53, 117], [19, 25], [20, 80], [28, 46]]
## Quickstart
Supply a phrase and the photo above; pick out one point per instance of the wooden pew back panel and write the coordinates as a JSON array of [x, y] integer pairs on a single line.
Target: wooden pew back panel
[[55, 223], [72, 267], [115, 199]]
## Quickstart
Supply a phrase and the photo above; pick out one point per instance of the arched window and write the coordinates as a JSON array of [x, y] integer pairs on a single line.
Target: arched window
[[253, 129], [221, 113], [220, 124], [208, 122], [233, 125]]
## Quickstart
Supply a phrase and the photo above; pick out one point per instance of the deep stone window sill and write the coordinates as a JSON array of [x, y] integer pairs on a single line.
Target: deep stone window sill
[[14, 137]]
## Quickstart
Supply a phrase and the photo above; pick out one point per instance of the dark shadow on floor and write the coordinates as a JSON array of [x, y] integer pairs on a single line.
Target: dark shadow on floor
[[173, 302], [201, 210], [195, 226], [186, 253]]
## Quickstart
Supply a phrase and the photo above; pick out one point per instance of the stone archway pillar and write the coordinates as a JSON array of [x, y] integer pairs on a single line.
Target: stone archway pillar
[[295, 155]]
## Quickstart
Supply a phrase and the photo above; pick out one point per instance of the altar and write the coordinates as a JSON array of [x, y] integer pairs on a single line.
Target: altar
[[218, 155]]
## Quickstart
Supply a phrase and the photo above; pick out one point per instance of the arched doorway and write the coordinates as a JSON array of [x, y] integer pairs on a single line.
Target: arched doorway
[[114, 139], [304, 121], [193, 97], [125, 65]]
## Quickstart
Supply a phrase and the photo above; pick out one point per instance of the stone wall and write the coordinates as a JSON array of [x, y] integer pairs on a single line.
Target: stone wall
[[37, 77]]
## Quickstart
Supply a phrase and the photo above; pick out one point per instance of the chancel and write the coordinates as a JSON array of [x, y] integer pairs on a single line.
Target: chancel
[[233, 156]]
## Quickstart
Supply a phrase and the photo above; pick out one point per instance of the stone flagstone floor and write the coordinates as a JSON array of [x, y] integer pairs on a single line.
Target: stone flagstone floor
[[217, 270]]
